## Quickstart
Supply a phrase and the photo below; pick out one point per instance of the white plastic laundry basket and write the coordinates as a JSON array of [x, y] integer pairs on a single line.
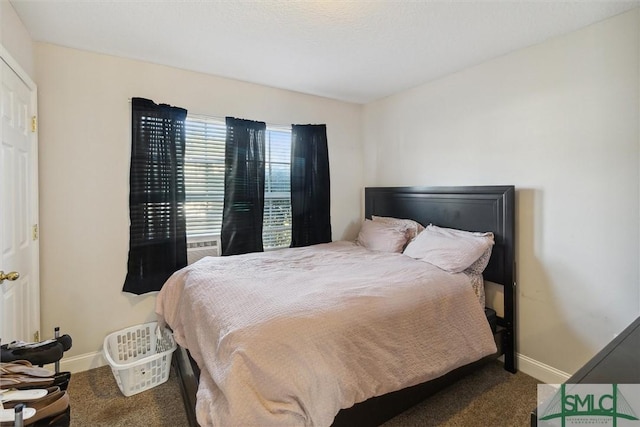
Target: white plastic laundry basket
[[139, 358]]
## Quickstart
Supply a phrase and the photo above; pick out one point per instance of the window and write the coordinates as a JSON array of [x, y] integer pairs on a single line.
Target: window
[[204, 176], [204, 181], [276, 231]]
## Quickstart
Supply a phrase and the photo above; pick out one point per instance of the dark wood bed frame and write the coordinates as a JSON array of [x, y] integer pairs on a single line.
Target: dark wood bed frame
[[487, 208]]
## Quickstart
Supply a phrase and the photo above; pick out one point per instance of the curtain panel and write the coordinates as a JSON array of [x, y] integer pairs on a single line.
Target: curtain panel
[[157, 234], [244, 181], [310, 192]]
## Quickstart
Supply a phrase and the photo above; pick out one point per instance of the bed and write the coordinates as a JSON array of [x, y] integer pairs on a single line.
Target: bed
[[374, 382]]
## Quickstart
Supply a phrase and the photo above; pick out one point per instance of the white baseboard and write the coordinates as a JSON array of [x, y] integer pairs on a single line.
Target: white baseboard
[[82, 362], [540, 371]]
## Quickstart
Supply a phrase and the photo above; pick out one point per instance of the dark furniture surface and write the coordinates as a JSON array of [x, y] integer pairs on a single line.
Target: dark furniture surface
[[617, 363], [470, 208]]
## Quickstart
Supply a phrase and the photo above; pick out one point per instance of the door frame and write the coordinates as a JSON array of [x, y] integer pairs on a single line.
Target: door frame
[[34, 293]]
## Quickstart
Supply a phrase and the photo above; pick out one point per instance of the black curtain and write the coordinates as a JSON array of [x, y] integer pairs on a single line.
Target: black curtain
[[157, 234], [310, 195], [243, 187]]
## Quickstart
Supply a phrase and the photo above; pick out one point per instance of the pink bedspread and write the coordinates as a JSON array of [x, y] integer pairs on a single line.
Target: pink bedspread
[[290, 337]]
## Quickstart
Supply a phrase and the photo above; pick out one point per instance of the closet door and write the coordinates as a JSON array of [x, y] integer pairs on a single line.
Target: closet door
[[19, 287]]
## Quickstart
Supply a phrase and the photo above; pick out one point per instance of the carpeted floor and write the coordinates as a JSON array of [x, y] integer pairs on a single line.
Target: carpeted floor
[[96, 401], [488, 397]]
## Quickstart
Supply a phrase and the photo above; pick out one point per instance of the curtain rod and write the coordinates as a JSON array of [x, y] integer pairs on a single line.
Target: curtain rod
[[222, 119], [195, 114]]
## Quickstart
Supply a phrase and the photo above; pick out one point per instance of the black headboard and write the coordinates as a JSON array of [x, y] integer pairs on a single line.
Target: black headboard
[[486, 208]]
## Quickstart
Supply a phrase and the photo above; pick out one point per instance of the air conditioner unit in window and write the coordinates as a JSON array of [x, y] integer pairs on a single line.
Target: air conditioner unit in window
[[200, 247]]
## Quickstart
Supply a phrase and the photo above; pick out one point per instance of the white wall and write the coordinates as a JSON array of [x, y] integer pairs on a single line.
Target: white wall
[[15, 38], [559, 121], [84, 174]]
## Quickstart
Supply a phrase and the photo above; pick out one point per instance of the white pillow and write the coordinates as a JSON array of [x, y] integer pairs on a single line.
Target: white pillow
[[378, 236], [413, 228], [481, 263], [449, 249]]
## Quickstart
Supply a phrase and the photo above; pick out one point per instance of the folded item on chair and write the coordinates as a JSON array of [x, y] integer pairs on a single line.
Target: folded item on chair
[[23, 367], [37, 355], [61, 420], [21, 346], [12, 397], [47, 408], [25, 382]]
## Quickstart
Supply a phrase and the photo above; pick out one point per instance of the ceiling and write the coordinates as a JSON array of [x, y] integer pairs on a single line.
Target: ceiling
[[356, 51]]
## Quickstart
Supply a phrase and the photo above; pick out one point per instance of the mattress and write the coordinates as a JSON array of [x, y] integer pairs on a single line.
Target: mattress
[[290, 337]]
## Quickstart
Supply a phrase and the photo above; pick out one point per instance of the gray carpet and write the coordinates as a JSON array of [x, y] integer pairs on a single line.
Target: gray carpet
[[488, 397]]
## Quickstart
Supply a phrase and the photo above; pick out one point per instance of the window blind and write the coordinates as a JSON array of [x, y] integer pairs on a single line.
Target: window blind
[[204, 175], [204, 180]]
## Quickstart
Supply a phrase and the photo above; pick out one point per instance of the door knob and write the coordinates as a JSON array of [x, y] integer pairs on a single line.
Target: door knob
[[9, 276]]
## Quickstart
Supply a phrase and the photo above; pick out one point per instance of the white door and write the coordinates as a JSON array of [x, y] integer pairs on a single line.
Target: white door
[[20, 287]]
